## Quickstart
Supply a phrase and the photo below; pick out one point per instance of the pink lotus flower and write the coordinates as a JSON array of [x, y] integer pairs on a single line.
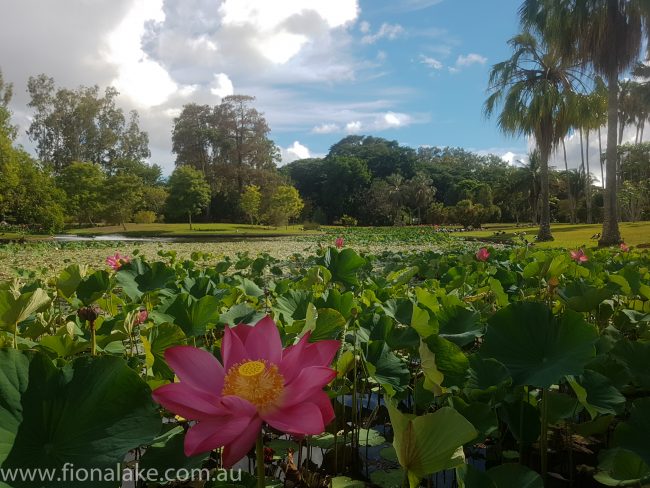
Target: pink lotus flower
[[482, 254], [258, 383], [624, 247], [117, 260], [141, 317], [579, 256], [339, 242]]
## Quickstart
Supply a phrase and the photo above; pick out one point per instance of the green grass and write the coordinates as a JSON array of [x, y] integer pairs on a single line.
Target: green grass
[[199, 230], [570, 235]]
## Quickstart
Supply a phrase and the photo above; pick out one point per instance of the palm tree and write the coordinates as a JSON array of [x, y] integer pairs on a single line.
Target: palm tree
[[607, 35], [535, 87]]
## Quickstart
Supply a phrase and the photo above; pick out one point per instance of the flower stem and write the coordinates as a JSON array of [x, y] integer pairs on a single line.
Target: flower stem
[[259, 451], [543, 439], [93, 339]]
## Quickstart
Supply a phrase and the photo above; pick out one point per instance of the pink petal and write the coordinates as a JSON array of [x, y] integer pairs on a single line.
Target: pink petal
[[215, 432], [324, 403], [235, 416], [196, 367], [302, 419], [188, 402], [308, 382], [304, 355], [263, 342], [243, 443], [232, 348]]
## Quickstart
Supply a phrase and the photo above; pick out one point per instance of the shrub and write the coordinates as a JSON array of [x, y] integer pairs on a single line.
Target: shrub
[[311, 226], [144, 217], [349, 221]]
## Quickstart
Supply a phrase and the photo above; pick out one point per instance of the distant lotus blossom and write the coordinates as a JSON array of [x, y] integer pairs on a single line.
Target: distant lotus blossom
[[624, 247], [117, 260], [339, 242], [141, 317], [482, 254], [579, 256], [258, 382]]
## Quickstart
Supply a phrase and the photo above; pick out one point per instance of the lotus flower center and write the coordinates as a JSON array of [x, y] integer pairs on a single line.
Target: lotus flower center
[[256, 381]]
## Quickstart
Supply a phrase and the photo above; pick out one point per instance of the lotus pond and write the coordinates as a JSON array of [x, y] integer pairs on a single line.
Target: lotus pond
[[508, 368]]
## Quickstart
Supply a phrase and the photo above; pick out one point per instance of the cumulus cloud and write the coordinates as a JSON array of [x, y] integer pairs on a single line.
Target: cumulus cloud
[[464, 61], [293, 152], [430, 62], [222, 85], [288, 41], [388, 31], [353, 127]]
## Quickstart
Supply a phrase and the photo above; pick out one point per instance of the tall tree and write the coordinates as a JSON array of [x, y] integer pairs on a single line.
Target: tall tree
[[243, 136], [607, 35], [82, 125], [534, 87], [189, 193]]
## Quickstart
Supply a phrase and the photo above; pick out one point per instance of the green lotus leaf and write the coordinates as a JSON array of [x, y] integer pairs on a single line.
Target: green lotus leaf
[[618, 467], [511, 475], [155, 342], [344, 265], [596, 393], [15, 310], [91, 413], [429, 443], [93, 287], [537, 348], [633, 435], [195, 317]]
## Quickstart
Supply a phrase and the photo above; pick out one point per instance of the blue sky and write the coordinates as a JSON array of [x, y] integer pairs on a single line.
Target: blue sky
[[432, 65], [414, 70]]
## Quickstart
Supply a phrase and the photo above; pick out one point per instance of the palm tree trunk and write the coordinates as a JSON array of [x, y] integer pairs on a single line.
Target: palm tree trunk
[[189, 215], [641, 135], [610, 235], [600, 158], [587, 179], [572, 216], [544, 233]]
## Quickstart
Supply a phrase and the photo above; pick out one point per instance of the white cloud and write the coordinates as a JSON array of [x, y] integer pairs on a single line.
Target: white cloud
[[293, 152], [370, 123], [268, 15], [353, 127], [430, 62], [389, 31], [326, 129], [470, 59], [391, 120], [364, 27], [222, 85], [464, 61], [143, 80]]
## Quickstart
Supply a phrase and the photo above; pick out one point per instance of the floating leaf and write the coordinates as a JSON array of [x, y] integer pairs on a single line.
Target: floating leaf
[[537, 348]]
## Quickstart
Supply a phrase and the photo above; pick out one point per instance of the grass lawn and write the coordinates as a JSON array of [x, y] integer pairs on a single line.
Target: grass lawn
[[570, 235], [199, 230]]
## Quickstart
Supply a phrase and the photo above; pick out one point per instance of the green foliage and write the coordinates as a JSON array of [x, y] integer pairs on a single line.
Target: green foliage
[[144, 217], [90, 413], [429, 443], [82, 125], [83, 184], [189, 194], [122, 195], [285, 205], [251, 202]]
